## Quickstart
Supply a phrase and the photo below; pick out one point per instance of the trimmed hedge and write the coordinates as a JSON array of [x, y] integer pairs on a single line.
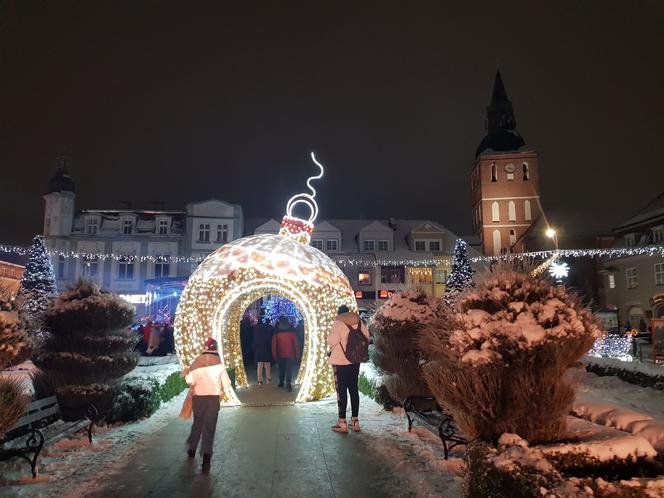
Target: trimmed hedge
[[378, 393], [173, 386], [632, 376]]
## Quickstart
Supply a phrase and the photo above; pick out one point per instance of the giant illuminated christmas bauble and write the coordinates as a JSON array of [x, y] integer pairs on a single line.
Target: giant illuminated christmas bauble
[[238, 273]]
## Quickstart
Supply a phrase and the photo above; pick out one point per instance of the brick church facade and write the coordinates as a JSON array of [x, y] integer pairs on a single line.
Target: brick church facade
[[504, 181]]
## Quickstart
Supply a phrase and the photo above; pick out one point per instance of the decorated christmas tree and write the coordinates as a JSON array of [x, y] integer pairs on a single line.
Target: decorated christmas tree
[[15, 346], [89, 347], [461, 276], [395, 327], [276, 306], [38, 282]]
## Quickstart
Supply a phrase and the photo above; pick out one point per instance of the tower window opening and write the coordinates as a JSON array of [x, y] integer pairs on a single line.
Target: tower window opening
[[494, 172], [526, 172]]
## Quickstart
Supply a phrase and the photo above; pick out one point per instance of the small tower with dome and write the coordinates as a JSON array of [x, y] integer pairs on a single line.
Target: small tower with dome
[[60, 199]]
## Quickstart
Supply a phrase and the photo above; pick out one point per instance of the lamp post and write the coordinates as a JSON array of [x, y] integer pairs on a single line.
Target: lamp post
[[551, 233]]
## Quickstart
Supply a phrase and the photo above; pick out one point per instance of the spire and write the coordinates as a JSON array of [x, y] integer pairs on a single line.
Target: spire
[[500, 122], [499, 94], [61, 181]]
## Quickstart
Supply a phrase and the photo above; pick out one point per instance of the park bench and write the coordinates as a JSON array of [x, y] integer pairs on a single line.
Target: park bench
[[428, 413], [41, 425]]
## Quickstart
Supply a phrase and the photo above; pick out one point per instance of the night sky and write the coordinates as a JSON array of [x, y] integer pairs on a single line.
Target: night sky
[[190, 100]]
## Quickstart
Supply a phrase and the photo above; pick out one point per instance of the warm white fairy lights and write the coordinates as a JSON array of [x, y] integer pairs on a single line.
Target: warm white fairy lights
[[579, 253], [618, 346], [240, 272]]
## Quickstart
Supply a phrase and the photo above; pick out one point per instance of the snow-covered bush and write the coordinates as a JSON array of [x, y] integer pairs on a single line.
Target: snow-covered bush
[[89, 346], [134, 399], [395, 327], [15, 346], [498, 358]]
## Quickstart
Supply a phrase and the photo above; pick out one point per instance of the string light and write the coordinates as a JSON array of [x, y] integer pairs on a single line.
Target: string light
[[238, 273], [613, 346], [578, 253]]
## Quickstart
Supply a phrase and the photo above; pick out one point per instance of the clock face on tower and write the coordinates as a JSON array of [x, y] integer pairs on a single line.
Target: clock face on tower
[[510, 168]]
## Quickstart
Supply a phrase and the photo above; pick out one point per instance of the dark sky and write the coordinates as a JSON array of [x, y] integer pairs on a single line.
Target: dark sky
[[182, 101]]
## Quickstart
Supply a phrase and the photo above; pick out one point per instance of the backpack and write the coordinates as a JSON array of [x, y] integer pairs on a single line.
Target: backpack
[[357, 346]]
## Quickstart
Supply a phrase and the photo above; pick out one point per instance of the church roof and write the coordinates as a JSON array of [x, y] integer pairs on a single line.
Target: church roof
[[500, 122], [61, 181]]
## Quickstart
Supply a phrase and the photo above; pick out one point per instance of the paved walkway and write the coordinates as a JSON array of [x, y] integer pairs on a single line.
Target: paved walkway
[[279, 451]]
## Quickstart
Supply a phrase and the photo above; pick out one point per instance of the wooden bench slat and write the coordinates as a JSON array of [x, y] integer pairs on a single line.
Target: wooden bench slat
[[52, 400], [34, 417]]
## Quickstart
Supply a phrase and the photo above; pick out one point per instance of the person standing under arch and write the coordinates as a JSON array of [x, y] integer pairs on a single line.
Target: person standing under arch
[[263, 350], [346, 373], [285, 350]]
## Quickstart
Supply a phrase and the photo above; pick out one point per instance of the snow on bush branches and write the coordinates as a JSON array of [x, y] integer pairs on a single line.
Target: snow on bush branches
[[498, 356]]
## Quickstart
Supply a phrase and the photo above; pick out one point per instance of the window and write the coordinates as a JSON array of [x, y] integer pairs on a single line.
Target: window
[[92, 226], [527, 212], [222, 233], [369, 245], [632, 278], [440, 277], [630, 240], [434, 245], [497, 244], [127, 227], [526, 172], [162, 267], [383, 245], [331, 245], [204, 232], [392, 274], [494, 172], [659, 274], [61, 266], [125, 270], [163, 227], [512, 238], [495, 211], [612, 281], [658, 234], [364, 277], [317, 243], [90, 267], [512, 211], [420, 245]]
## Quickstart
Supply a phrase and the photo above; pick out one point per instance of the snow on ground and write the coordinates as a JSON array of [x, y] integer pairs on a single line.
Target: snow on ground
[[69, 467], [416, 456]]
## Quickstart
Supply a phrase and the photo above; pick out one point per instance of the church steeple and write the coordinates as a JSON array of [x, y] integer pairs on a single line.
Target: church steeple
[[500, 122]]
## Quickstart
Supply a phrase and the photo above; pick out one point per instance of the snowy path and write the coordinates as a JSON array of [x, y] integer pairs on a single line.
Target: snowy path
[[277, 451]]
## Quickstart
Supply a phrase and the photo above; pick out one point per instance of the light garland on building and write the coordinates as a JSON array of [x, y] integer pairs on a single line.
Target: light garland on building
[[578, 253], [238, 273]]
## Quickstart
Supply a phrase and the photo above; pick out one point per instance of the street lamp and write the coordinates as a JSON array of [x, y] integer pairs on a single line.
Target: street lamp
[[551, 233]]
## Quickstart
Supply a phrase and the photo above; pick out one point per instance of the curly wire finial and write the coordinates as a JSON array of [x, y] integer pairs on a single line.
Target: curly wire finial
[[307, 199]]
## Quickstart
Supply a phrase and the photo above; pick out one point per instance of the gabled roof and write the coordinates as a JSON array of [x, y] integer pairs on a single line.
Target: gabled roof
[[325, 226], [270, 226], [427, 227], [651, 213], [376, 226]]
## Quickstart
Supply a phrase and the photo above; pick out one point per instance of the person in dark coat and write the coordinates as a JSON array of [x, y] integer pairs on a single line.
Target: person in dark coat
[[285, 350], [263, 350], [246, 339]]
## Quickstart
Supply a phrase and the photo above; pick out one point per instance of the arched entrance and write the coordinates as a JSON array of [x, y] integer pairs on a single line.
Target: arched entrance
[[237, 274]]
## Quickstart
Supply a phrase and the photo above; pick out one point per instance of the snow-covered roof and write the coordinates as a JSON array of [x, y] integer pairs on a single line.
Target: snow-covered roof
[[650, 214]]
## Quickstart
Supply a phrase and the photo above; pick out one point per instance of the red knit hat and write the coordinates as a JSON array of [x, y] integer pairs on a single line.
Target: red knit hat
[[210, 344]]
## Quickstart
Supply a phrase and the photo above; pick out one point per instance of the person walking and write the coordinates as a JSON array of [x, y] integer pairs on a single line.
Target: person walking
[[349, 343], [285, 350], [263, 351], [206, 378], [155, 340]]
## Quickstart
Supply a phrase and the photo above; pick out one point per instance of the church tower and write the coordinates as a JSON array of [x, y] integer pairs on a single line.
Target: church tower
[[60, 198], [504, 181]]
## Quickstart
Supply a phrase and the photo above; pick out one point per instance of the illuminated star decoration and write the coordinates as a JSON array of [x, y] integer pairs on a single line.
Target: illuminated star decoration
[[559, 270], [239, 273]]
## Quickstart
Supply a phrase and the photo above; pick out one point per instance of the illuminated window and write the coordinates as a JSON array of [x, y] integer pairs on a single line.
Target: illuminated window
[[511, 211], [125, 270], [527, 212], [420, 245], [495, 211], [632, 278], [364, 277], [383, 245], [494, 172], [331, 245], [659, 274], [317, 243], [612, 281], [127, 227], [222, 233], [92, 226], [163, 227], [440, 277], [369, 245], [526, 172], [204, 232]]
